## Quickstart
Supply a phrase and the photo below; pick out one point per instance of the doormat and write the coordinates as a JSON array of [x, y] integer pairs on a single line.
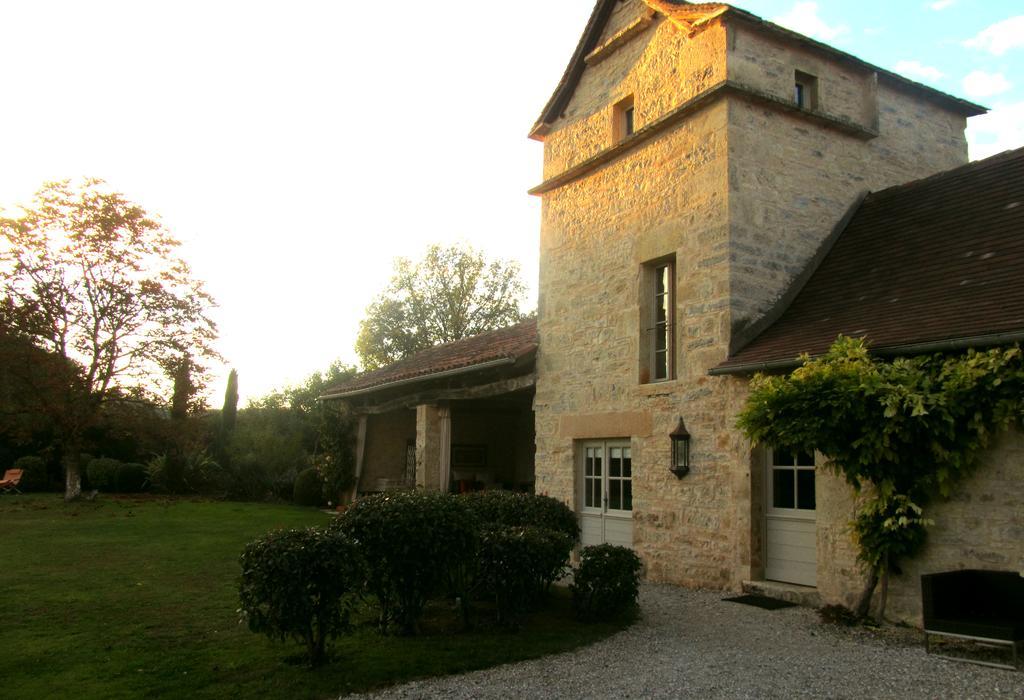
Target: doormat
[[760, 601]]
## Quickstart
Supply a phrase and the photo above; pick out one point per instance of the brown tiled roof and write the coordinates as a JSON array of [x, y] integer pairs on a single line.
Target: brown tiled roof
[[687, 14], [513, 343], [934, 260]]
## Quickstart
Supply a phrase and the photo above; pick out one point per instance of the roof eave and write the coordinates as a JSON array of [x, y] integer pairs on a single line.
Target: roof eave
[[478, 367], [944, 345]]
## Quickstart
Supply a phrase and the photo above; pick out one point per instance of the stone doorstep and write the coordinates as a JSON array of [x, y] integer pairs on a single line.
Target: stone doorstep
[[806, 596]]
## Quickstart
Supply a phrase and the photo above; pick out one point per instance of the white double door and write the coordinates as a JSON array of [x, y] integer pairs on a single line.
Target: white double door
[[790, 527], [606, 498]]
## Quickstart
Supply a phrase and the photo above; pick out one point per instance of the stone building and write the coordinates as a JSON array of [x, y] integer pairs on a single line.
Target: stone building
[[719, 195], [696, 160]]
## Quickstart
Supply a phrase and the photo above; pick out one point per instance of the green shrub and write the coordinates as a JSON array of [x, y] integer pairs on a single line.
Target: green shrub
[[35, 476], [265, 452], [512, 509], [517, 564], [247, 479], [113, 476], [607, 582], [201, 474], [156, 473], [131, 477], [102, 473], [414, 543], [309, 488], [300, 584]]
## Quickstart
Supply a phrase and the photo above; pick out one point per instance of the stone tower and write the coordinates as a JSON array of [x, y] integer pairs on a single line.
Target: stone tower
[[695, 158]]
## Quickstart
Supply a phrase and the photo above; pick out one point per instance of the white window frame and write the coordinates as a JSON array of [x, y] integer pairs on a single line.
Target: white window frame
[[655, 300], [795, 512], [604, 449]]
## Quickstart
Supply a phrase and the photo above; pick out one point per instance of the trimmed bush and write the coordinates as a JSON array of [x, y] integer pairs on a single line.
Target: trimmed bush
[[309, 488], [607, 582], [512, 509], [415, 543], [114, 476], [300, 585], [517, 564], [102, 473], [35, 477]]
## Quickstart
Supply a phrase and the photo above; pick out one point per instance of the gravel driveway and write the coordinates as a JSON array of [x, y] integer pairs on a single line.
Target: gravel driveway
[[692, 644]]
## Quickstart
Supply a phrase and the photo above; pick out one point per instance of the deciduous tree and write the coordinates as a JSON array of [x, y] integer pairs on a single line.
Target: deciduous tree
[[97, 283], [452, 293]]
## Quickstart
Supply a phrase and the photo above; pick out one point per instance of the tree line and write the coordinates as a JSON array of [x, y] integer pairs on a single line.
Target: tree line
[[107, 339]]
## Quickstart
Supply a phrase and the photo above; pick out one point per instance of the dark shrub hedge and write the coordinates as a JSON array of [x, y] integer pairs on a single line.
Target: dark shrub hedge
[[309, 488], [606, 583], [512, 509], [414, 542], [300, 584], [131, 477], [102, 473], [517, 564], [113, 476], [35, 477]]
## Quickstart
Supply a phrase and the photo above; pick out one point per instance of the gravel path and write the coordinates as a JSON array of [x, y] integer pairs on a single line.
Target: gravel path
[[692, 644]]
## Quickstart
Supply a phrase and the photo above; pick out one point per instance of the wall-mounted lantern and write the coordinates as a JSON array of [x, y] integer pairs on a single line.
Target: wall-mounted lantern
[[680, 450]]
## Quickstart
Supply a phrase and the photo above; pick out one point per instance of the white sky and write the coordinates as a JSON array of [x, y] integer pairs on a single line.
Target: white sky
[[297, 147]]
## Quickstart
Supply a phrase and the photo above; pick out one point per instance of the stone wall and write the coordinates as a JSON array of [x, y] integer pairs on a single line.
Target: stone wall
[[596, 234], [623, 15], [763, 62], [980, 527], [386, 438], [791, 181], [659, 67]]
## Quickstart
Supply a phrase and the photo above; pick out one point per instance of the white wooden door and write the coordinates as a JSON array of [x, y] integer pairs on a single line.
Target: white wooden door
[[791, 549], [606, 499]]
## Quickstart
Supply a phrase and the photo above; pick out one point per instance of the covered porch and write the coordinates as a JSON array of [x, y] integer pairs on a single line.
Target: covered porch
[[454, 418]]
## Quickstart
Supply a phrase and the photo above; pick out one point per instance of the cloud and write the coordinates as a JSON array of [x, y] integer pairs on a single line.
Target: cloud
[[940, 5], [999, 130], [916, 69], [803, 18], [1000, 37], [981, 84]]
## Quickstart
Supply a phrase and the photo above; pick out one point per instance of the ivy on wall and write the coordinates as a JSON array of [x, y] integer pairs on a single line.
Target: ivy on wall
[[909, 429]]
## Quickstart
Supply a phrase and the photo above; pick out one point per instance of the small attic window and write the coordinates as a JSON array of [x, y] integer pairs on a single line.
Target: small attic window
[[623, 120], [805, 90]]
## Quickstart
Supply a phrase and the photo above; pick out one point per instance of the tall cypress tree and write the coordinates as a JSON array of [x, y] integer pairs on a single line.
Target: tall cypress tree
[[229, 414]]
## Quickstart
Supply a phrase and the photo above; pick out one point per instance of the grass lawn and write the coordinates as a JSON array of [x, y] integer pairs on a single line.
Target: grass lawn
[[137, 597]]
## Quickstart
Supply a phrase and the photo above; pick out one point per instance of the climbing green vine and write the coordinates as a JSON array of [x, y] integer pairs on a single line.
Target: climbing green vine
[[909, 429]]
